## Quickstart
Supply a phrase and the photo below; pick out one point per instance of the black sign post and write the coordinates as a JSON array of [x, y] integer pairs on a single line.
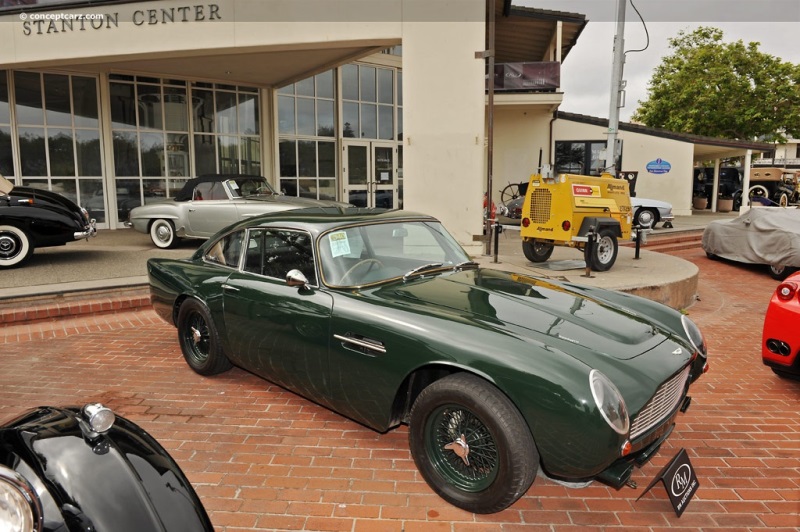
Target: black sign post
[[680, 481]]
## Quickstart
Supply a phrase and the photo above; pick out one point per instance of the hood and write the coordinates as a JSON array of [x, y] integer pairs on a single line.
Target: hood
[[647, 202], [552, 313], [122, 480], [39, 195]]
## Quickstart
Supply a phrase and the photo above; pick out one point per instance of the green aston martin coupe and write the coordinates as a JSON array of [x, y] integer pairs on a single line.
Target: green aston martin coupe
[[382, 317]]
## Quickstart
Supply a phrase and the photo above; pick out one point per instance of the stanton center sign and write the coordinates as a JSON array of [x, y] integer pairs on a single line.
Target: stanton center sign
[[54, 23]]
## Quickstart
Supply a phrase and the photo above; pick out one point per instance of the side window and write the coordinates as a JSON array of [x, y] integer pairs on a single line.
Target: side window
[[227, 250], [274, 253], [217, 192], [202, 192]]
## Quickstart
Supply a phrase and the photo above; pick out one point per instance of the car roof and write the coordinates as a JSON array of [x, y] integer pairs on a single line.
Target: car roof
[[185, 193], [319, 219]]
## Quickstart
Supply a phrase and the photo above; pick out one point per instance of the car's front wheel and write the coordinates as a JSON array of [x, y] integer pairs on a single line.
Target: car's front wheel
[[603, 254], [646, 218], [471, 444], [537, 251], [162, 233], [780, 272], [199, 339], [15, 246]]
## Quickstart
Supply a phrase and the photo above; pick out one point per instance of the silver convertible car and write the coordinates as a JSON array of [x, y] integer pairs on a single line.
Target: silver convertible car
[[210, 202]]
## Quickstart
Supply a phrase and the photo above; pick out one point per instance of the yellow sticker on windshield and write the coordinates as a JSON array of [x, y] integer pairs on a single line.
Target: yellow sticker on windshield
[[339, 244]]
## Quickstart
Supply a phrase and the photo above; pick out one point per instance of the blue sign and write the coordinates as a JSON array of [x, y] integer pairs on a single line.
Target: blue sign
[[659, 166]]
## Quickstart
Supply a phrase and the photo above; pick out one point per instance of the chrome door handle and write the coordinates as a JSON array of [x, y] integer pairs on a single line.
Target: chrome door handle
[[230, 288]]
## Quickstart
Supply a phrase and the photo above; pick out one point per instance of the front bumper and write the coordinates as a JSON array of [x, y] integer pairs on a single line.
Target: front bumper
[[88, 232]]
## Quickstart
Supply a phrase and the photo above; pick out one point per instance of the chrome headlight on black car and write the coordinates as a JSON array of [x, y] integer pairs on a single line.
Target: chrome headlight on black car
[[20, 508]]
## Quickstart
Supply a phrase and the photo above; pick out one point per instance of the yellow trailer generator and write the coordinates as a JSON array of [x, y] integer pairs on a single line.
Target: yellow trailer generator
[[584, 212]]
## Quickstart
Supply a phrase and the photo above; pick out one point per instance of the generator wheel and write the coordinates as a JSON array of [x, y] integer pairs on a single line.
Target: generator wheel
[[537, 251], [603, 252]]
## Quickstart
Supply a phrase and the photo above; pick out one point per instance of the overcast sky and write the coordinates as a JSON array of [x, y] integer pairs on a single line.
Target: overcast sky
[[586, 73]]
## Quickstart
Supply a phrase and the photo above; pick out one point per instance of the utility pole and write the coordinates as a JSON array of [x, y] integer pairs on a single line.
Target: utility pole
[[616, 89]]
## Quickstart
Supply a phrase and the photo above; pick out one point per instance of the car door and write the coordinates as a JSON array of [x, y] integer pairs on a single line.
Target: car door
[[209, 210], [278, 331]]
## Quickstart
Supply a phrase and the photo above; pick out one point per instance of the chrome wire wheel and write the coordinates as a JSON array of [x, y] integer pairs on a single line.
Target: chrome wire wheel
[[461, 448]]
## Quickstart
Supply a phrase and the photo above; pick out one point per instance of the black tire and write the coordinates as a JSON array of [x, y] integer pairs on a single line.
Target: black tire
[[779, 272], [199, 339], [783, 374], [537, 251], [604, 251], [162, 233], [646, 218], [15, 246], [711, 256], [500, 461]]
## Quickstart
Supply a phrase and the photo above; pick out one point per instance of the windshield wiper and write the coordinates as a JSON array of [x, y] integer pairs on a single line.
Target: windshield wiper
[[467, 264], [424, 267]]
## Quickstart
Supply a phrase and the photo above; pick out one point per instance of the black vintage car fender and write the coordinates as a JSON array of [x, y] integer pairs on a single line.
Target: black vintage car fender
[[31, 218], [74, 479]]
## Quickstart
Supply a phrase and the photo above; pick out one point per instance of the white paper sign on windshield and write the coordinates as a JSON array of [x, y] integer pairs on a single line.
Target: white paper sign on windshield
[[339, 244]]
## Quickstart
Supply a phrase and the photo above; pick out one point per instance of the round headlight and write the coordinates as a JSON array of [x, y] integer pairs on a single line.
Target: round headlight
[[99, 418], [20, 510], [694, 334], [609, 401]]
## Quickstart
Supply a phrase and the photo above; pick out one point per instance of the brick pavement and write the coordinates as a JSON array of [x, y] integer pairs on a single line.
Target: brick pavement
[[262, 458]]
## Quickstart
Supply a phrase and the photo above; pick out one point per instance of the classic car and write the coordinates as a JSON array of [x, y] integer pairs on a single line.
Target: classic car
[[774, 187], [646, 212], [86, 469], [729, 185], [759, 236], [780, 340], [208, 203], [33, 218], [383, 318]]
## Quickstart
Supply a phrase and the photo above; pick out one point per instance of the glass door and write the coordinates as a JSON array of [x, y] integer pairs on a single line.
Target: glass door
[[369, 174]]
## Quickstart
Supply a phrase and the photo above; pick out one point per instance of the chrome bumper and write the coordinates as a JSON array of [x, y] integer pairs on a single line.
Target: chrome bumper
[[89, 232]]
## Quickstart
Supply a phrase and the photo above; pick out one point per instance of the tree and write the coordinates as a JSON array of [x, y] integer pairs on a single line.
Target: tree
[[717, 89]]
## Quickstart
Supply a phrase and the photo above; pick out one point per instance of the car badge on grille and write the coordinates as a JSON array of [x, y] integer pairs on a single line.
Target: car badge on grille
[[677, 351]]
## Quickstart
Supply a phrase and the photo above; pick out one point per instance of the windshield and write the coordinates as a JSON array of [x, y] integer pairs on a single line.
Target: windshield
[[374, 253], [243, 187]]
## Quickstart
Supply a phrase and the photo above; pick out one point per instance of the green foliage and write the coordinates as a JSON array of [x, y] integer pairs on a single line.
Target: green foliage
[[718, 89]]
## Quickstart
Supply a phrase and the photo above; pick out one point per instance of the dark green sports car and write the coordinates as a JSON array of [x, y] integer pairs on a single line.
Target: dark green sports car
[[382, 317]]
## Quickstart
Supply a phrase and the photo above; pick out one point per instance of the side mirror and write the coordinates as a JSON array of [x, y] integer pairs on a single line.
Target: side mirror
[[296, 278]]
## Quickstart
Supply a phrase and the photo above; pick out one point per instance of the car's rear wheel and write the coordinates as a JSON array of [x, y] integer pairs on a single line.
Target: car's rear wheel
[[780, 272], [15, 246], [537, 251], [783, 199], [603, 254], [199, 339], [162, 233], [646, 218], [471, 444]]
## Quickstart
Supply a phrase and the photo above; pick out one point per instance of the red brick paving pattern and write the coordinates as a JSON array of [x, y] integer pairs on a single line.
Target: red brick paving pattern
[[262, 458]]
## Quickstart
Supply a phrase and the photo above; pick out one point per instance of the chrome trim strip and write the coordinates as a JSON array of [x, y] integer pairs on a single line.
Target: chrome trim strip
[[361, 343]]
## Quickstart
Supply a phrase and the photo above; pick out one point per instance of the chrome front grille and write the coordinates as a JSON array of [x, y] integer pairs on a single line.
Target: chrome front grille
[[661, 404]]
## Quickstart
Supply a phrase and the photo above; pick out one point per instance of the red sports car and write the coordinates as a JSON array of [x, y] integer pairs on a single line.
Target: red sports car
[[780, 343]]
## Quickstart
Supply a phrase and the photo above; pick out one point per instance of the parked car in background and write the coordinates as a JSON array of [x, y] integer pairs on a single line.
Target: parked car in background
[[383, 317], [774, 187], [780, 342], [208, 203], [759, 236], [85, 469], [646, 212], [32, 218], [649, 212], [730, 185]]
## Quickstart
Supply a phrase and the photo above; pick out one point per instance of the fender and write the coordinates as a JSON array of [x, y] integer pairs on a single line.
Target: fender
[[600, 223]]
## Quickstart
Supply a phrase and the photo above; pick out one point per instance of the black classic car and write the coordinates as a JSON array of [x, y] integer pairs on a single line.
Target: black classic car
[[85, 469], [32, 218], [383, 317]]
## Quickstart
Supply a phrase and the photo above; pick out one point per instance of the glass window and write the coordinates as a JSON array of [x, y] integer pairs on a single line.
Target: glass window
[[287, 158], [5, 114], [203, 108], [325, 123], [248, 114], [6, 160], [350, 121], [123, 106], [350, 82], [126, 154], [305, 117], [369, 121], [286, 115], [149, 105], [385, 86], [228, 155], [28, 95], [274, 253], [307, 158], [152, 152], [226, 118], [324, 84], [32, 152], [367, 83], [57, 100], [327, 159], [176, 113], [61, 151], [84, 102], [385, 122], [227, 250]]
